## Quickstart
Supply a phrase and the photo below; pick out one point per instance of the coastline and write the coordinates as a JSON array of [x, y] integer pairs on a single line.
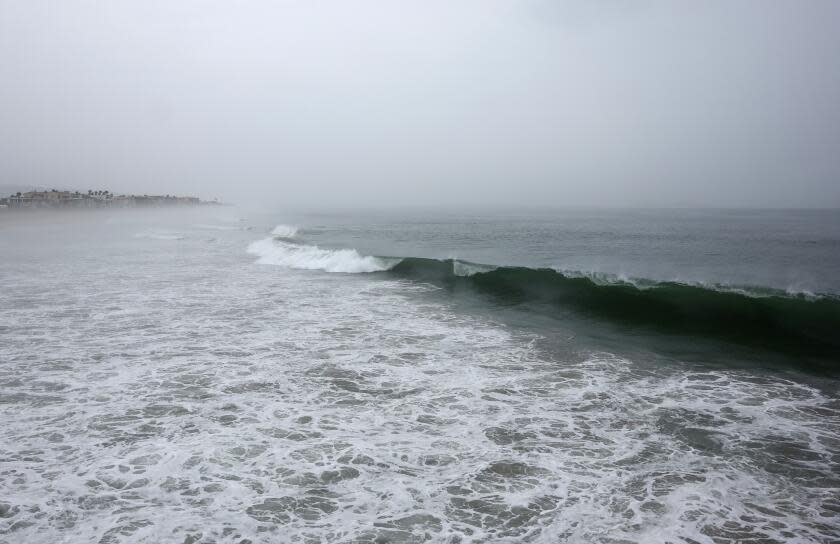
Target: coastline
[[77, 200]]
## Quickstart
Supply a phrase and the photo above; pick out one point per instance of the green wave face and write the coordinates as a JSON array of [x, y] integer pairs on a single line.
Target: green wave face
[[774, 320]]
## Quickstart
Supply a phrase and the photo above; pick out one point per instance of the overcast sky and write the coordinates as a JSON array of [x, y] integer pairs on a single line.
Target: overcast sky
[[378, 103]]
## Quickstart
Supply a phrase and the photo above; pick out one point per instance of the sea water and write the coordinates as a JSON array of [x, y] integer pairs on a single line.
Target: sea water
[[215, 375]]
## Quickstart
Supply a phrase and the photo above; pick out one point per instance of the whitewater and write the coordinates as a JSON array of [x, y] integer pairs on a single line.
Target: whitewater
[[279, 384]]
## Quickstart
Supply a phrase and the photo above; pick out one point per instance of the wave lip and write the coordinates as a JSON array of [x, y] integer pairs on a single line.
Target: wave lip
[[276, 251]]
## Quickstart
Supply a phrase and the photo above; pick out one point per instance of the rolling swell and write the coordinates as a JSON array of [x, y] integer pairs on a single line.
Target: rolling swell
[[773, 320]]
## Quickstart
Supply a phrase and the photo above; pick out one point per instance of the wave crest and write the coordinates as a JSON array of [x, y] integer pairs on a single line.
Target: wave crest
[[768, 318], [759, 316], [306, 257]]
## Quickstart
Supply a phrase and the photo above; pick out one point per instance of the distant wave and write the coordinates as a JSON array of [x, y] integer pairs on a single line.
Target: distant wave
[[280, 252]]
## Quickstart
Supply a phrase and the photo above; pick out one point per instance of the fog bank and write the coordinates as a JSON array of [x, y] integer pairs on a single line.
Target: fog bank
[[361, 103]]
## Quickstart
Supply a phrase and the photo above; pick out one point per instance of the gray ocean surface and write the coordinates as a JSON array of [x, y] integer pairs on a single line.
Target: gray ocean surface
[[216, 375]]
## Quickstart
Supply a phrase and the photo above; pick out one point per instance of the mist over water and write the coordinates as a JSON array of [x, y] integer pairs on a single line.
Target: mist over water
[[166, 377], [470, 104], [547, 271]]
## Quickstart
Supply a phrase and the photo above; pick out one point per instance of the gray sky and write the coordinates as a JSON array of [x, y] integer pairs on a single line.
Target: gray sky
[[483, 102]]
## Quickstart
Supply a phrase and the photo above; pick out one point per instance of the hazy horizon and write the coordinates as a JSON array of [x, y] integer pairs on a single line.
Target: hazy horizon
[[411, 104], [545, 271]]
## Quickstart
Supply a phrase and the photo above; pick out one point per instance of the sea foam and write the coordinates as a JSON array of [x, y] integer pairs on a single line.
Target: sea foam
[[190, 400], [278, 252], [284, 231]]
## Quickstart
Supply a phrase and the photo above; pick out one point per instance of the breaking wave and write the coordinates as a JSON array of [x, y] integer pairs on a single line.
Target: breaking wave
[[284, 231], [278, 251], [763, 317], [755, 316]]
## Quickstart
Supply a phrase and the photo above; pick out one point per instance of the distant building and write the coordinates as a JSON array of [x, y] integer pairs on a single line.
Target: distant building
[[92, 199]]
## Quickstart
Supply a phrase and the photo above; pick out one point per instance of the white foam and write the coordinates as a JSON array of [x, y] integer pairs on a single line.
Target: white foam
[[284, 231], [354, 408], [306, 257], [465, 269], [799, 292]]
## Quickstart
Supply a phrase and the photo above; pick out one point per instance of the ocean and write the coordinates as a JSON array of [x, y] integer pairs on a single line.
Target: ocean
[[580, 375]]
